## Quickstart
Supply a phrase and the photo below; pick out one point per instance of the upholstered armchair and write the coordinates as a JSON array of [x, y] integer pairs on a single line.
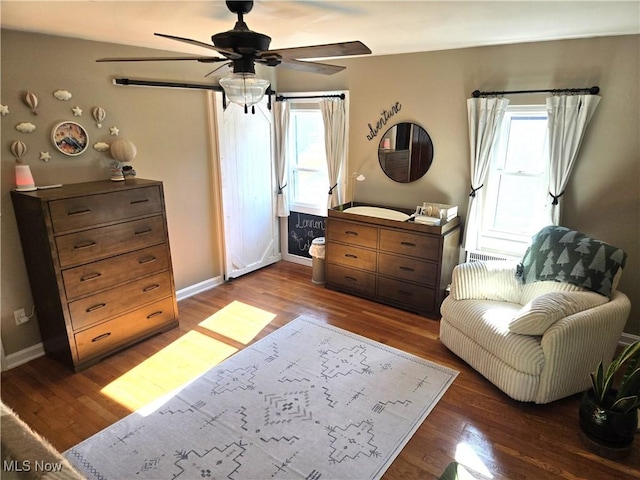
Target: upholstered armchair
[[536, 329]]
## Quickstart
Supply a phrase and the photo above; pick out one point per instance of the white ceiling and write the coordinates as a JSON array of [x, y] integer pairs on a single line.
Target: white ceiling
[[386, 27]]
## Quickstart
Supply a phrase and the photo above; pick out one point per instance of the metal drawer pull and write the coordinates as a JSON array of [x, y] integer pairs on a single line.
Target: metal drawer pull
[[95, 307], [350, 255], [408, 244], [351, 279], [406, 269], [151, 287], [101, 337], [79, 212], [154, 314], [91, 276], [144, 200], [143, 232], [351, 232], [147, 260], [82, 246]]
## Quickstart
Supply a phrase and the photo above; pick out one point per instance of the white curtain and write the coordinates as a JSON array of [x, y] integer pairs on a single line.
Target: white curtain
[[281, 119], [569, 116], [485, 117], [333, 115]]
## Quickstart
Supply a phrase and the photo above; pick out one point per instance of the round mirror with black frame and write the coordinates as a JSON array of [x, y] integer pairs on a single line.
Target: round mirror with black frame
[[405, 152]]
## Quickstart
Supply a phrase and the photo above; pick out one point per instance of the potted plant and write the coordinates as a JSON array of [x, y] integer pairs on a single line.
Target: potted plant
[[609, 410]]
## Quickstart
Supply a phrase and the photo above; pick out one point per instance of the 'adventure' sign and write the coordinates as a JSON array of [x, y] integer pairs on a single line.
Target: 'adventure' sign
[[385, 115]]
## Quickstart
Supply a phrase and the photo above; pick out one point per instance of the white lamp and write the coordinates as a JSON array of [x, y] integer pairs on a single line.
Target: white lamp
[[24, 179], [245, 89], [358, 178]]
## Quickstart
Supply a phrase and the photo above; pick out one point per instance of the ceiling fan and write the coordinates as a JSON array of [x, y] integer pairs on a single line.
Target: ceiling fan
[[242, 48]]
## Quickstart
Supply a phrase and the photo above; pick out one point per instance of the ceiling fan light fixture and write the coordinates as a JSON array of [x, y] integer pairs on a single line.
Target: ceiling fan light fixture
[[245, 89]]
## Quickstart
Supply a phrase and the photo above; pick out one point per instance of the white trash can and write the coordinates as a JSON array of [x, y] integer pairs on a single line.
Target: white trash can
[[317, 258]]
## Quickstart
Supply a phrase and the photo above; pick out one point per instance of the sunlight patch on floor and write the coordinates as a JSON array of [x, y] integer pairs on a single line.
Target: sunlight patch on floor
[[175, 365], [238, 321], [467, 457]]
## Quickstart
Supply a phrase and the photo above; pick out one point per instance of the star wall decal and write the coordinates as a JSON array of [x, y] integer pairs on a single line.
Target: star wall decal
[[4, 110], [45, 156], [77, 111], [114, 131]]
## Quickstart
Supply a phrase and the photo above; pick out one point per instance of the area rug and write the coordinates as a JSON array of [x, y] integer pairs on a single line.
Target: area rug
[[308, 401]]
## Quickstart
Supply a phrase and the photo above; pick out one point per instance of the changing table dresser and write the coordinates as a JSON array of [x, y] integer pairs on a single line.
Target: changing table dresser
[[404, 264], [99, 265]]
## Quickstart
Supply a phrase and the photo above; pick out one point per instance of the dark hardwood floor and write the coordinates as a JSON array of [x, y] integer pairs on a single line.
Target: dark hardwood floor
[[474, 422]]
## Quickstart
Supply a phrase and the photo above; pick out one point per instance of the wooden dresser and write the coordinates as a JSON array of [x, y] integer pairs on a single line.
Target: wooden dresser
[[404, 264], [99, 265]]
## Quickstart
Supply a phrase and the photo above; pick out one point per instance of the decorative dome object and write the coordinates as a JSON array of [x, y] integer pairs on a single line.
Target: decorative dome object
[[123, 150]]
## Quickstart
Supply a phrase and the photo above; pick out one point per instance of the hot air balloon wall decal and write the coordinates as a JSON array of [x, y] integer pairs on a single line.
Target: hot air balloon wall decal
[[99, 115], [31, 101]]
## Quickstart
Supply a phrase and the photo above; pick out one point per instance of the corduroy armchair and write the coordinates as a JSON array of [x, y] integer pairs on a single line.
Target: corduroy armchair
[[538, 339]]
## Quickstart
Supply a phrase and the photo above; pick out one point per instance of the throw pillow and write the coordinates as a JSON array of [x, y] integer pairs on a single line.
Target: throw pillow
[[564, 255], [540, 313]]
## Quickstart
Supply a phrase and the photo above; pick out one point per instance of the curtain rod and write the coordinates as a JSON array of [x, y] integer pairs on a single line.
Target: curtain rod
[[280, 98], [591, 91], [154, 83]]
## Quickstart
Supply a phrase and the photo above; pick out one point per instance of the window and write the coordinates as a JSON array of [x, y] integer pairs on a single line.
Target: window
[[308, 176], [515, 198]]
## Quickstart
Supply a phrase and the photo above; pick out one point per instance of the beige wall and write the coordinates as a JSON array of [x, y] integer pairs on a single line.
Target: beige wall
[[603, 196], [169, 128]]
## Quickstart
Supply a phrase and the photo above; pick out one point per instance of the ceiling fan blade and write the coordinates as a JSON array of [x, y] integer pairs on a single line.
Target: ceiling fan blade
[[228, 53], [162, 59], [343, 49], [216, 69], [311, 67]]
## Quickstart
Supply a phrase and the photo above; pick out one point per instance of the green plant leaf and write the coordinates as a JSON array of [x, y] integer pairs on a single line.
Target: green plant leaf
[[597, 380], [603, 382], [630, 384], [626, 404]]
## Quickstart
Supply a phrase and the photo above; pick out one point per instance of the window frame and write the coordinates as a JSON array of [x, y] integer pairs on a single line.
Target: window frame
[[301, 101], [295, 204], [500, 241]]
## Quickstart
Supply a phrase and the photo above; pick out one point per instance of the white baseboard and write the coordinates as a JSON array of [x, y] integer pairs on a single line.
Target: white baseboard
[[198, 288], [628, 339], [31, 353], [23, 356]]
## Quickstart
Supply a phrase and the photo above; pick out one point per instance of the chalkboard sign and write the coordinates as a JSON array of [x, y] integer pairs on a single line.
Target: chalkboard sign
[[302, 229]]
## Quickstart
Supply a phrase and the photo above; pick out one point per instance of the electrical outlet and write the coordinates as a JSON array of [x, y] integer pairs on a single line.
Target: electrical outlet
[[20, 316]]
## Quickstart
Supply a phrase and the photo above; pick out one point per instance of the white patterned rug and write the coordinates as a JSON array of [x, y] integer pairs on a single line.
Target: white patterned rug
[[308, 401]]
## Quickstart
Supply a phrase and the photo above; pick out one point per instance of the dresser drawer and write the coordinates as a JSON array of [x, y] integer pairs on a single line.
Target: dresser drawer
[[99, 243], [79, 212], [352, 233], [89, 278], [109, 303], [406, 243], [108, 335], [349, 278], [411, 296], [397, 159], [352, 256], [408, 269]]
